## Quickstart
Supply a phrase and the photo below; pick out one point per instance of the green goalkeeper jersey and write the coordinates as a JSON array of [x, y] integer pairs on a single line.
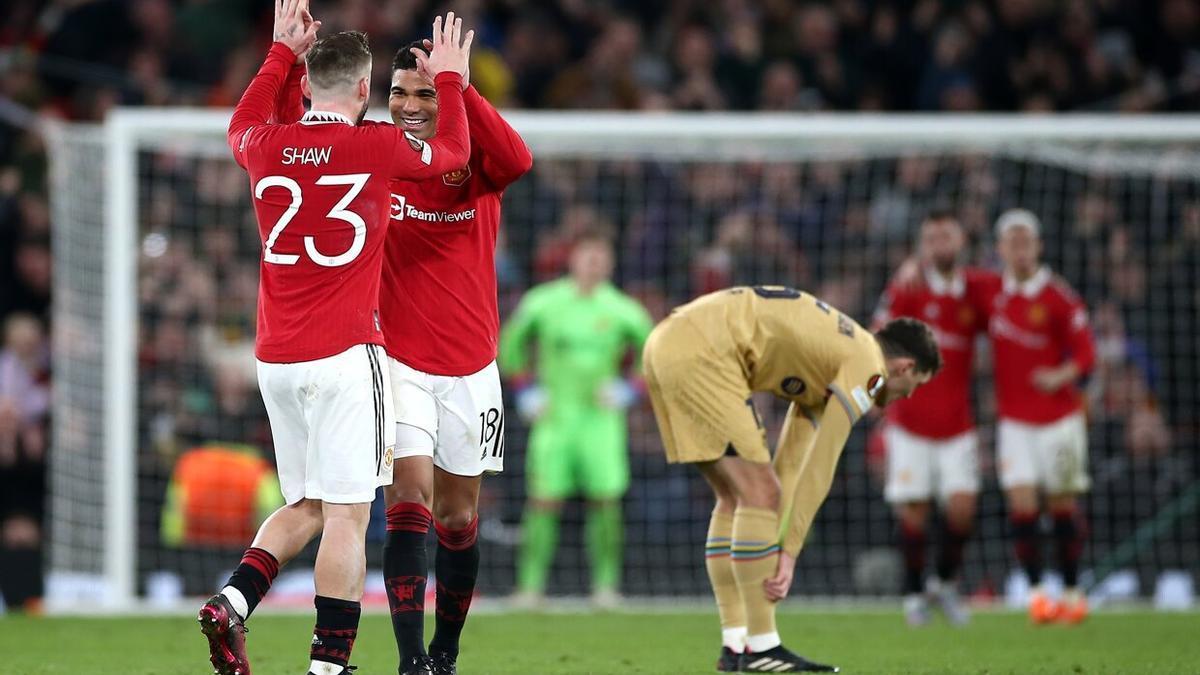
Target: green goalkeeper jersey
[[581, 339]]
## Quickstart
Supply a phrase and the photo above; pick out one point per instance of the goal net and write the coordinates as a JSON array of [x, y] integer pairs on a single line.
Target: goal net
[[156, 257]]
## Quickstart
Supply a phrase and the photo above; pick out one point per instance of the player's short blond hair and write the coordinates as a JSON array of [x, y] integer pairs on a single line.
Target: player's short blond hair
[[1018, 218], [338, 61]]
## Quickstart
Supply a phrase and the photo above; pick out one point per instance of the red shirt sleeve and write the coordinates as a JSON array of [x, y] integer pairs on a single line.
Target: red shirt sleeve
[[258, 102], [503, 152], [1077, 332], [289, 107], [449, 150]]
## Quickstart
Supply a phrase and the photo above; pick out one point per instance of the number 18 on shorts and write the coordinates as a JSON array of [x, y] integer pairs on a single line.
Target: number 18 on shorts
[[456, 420]]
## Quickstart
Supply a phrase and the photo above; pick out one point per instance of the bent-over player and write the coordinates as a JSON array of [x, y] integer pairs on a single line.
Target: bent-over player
[[702, 364]]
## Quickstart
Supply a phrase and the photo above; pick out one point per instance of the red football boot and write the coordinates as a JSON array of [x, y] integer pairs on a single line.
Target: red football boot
[[226, 635]]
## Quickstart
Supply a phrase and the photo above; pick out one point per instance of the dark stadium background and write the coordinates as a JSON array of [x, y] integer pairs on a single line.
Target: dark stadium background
[[1139, 271]]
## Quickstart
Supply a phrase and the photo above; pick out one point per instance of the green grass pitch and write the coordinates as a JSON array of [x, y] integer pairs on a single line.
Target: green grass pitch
[[551, 644]]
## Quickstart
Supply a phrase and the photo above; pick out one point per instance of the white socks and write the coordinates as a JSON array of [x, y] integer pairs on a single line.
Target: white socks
[[235, 598], [761, 643], [324, 668], [734, 638]]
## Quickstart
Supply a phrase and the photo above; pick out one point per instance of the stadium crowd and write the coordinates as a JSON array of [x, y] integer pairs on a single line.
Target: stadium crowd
[[837, 228]]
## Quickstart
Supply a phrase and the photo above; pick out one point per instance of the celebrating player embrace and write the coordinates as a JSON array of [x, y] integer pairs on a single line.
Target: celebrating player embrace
[[441, 325], [702, 364], [321, 197]]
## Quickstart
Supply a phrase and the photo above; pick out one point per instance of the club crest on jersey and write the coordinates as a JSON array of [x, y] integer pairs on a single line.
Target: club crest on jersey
[[966, 316], [875, 384], [793, 386], [932, 310], [457, 177], [1037, 314]]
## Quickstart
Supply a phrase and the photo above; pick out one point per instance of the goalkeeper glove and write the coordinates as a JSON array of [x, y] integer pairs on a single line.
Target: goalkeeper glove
[[531, 403], [617, 394]]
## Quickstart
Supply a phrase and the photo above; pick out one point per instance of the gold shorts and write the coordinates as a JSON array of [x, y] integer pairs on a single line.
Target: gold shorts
[[700, 396]]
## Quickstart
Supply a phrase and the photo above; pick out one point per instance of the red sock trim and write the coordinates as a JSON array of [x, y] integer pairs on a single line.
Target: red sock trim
[[1063, 514], [457, 540], [408, 517], [1024, 518], [263, 561]]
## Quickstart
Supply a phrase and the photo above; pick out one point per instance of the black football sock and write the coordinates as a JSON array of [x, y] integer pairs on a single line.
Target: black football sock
[[457, 567], [336, 629], [1027, 544], [1068, 540], [950, 557], [253, 578], [405, 564], [912, 549]]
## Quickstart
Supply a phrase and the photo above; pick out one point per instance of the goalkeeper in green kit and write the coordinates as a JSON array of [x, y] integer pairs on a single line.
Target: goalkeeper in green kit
[[583, 328]]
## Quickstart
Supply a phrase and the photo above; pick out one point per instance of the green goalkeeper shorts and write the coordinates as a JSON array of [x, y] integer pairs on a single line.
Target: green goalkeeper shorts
[[582, 454]]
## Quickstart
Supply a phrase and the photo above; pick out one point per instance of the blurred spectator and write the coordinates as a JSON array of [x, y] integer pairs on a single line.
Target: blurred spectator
[[924, 54], [24, 391], [24, 406]]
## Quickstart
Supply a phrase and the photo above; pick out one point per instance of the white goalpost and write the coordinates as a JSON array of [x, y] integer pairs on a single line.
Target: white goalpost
[[155, 255]]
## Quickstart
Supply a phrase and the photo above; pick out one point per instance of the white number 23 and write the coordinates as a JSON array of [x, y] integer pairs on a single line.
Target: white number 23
[[356, 181]]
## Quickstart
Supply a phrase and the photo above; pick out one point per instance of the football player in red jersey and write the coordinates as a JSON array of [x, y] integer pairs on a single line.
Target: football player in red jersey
[[321, 197], [1042, 345], [932, 447], [441, 324]]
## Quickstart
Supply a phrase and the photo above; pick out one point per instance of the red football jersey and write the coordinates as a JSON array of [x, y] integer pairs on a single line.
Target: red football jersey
[[439, 271], [1037, 324], [955, 310], [320, 189]]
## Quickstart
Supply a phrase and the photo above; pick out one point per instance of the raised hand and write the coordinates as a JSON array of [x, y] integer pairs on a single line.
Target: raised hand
[[291, 27], [309, 21], [466, 76], [450, 51]]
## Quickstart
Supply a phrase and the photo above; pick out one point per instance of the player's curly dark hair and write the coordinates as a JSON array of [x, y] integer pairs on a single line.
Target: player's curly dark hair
[[404, 59], [912, 339], [339, 59]]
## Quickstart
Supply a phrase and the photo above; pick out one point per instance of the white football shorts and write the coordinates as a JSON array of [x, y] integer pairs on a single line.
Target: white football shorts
[[459, 421], [1052, 456], [333, 425], [920, 468]]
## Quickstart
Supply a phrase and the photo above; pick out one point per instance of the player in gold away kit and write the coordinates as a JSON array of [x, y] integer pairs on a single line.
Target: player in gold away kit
[[701, 365]]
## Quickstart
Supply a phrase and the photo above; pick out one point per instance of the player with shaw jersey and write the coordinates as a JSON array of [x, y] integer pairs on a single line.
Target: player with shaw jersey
[[932, 447], [1042, 344], [702, 364], [441, 323], [321, 198], [583, 327]]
